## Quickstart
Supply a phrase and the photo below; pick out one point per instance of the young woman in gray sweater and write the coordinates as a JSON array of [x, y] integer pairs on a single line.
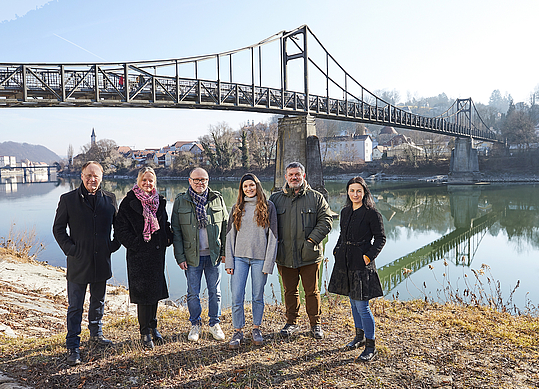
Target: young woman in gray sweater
[[251, 244]]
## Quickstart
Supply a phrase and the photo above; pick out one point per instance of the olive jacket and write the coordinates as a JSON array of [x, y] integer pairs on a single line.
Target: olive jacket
[[350, 276], [301, 217], [88, 244], [145, 260], [185, 228]]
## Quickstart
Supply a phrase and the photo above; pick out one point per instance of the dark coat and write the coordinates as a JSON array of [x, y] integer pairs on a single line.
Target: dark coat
[[145, 260], [88, 245], [350, 276]]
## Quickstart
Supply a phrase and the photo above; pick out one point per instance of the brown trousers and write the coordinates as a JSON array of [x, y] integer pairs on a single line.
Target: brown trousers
[[310, 275]]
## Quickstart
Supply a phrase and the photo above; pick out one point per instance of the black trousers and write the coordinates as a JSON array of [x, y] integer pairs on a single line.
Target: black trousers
[[147, 317]]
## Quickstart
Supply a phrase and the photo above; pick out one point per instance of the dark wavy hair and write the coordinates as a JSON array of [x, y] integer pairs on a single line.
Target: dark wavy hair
[[368, 201], [261, 212]]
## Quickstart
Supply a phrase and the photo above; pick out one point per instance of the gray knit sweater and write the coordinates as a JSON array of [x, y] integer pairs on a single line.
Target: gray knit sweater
[[252, 241]]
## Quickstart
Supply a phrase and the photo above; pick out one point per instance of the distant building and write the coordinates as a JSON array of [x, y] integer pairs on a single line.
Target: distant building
[[6, 160], [347, 148], [92, 138]]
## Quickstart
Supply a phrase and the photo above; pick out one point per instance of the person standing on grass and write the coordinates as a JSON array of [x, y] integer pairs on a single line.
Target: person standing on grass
[[89, 213], [142, 227], [199, 219], [361, 239], [304, 220], [251, 243]]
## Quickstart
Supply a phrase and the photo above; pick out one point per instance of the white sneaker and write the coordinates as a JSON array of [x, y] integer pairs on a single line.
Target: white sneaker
[[194, 333], [217, 332]]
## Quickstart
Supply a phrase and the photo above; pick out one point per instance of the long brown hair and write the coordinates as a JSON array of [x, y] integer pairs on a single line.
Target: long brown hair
[[261, 211]]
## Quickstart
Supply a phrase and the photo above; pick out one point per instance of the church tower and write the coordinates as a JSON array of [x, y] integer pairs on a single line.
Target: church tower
[[92, 137]]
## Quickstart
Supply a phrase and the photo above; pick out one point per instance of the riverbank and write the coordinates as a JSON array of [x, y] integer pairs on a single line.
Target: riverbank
[[421, 345]]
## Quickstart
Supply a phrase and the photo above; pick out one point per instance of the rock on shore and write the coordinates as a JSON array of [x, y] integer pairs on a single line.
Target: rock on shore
[[33, 298]]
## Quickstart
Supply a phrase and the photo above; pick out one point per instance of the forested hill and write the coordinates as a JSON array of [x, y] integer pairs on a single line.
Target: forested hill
[[34, 153]]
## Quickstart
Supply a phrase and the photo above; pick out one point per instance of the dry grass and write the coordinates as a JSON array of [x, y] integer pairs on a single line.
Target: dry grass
[[421, 345], [21, 244]]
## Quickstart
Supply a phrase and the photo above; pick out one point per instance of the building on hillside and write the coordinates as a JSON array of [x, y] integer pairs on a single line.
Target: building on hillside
[[386, 134], [346, 148], [378, 152], [6, 160], [163, 159], [126, 151], [92, 138]]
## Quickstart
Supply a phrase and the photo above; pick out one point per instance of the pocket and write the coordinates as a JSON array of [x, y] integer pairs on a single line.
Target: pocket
[[217, 214], [184, 215], [308, 218], [310, 251], [280, 223]]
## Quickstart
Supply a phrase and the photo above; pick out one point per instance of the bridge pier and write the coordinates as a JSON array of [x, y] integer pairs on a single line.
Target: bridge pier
[[297, 141], [464, 163]]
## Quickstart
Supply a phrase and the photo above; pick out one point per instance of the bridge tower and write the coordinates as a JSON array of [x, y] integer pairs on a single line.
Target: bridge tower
[[297, 142], [464, 163]]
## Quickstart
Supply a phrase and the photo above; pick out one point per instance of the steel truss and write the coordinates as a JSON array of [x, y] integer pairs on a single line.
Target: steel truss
[[158, 84]]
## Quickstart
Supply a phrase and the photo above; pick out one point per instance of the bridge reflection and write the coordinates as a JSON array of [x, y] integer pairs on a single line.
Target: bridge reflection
[[471, 222]]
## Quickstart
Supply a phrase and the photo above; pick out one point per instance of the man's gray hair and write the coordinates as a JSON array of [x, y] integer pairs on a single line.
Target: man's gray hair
[[295, 165]]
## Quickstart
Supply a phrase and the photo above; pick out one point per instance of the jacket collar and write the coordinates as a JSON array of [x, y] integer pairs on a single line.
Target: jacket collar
[[83, 192], [290, 193]]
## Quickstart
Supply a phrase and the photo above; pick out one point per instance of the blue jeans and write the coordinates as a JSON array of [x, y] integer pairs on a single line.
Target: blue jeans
[[213, 283], [75, 298], [238, 281], [363, 317]]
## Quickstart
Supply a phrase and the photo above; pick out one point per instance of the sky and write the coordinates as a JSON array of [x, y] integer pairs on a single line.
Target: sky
[[463, 48]]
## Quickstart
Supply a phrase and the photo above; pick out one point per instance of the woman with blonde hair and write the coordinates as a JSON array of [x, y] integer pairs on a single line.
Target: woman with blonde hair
[[142, 227], [251, 244]]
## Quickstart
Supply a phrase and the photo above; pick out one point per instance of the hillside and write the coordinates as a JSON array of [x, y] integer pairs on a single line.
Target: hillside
[[34, 153]]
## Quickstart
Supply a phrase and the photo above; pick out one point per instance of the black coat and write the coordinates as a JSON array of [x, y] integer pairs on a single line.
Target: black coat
[[88, 245], [145, 260], [350, 276]]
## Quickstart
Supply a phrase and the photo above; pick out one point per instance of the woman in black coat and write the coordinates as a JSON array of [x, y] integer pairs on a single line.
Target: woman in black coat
[[142, 227], [354, 274]]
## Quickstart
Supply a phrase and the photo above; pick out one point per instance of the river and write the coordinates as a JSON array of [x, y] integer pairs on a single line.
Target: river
[[475, 242]]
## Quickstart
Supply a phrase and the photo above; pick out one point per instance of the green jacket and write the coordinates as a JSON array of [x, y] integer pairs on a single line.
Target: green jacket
[[185, 227], [301, 216]]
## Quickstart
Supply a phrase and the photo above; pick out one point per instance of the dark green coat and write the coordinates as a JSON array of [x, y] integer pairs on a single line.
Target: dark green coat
[[301, 216], [185, 228]]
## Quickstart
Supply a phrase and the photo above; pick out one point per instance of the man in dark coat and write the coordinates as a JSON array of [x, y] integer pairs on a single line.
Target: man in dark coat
[[89, 212]]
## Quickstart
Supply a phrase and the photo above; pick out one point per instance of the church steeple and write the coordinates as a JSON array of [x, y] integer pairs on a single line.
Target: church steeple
[[92, 137]]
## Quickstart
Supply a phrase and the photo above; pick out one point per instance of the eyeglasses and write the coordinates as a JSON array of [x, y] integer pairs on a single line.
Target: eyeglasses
[[199, 180]]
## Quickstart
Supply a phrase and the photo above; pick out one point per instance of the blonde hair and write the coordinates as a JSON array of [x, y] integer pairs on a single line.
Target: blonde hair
[[143, 171]]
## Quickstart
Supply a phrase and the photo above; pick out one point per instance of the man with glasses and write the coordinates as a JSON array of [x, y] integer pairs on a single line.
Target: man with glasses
[[89, 212], [199, 220]]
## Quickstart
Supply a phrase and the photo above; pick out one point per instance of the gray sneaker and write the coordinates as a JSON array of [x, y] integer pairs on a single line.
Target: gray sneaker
[[235, 342], [289, 329], [258, 339]]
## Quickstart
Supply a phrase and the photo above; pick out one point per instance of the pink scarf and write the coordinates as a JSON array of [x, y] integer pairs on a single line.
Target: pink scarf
[[150, 203]]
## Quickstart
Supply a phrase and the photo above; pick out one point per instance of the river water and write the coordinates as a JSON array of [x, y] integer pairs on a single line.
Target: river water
[[443, 241]]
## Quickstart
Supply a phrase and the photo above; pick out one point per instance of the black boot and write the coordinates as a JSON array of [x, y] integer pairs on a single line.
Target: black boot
[[157, 338], [370, 351], [358, 341], [147, 342]]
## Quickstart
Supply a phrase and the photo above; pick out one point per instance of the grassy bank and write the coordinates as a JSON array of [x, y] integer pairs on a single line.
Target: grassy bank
[[421, 345]]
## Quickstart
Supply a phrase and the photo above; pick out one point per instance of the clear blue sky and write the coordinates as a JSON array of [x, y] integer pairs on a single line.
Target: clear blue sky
[[464, 48]]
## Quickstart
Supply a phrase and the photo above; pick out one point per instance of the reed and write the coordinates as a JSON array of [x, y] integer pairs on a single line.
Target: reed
[[23, 244]]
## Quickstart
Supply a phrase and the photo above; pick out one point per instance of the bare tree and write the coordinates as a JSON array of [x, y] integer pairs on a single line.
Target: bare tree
[[262, 142], [220, 146]]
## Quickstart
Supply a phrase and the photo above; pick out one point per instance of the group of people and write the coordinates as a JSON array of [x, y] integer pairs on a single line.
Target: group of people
[[287, 229]]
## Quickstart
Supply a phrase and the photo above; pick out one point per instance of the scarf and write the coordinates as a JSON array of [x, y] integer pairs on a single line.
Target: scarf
[[150, 203], [200, 206]]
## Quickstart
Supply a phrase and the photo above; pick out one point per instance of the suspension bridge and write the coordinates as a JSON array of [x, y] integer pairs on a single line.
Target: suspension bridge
[[289, 73]]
